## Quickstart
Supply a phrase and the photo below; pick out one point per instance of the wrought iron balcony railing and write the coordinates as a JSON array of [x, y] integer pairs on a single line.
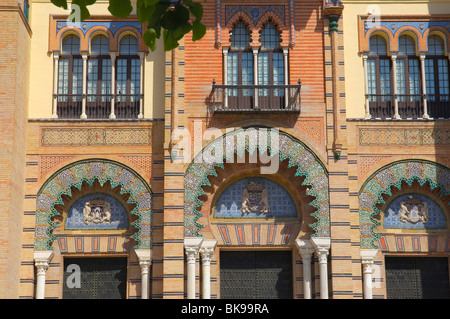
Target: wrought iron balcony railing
[[408, 106], [256, 98], [98, 106]]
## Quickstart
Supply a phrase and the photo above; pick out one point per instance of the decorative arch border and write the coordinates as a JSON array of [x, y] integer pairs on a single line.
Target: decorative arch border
[[256, 27], [393, 174], [394, 26], [112, 28], [73, 175], [269, 17], [290, 148]]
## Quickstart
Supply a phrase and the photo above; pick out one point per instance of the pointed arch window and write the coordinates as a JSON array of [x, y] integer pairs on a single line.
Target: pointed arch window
[[270, 59], [99, 79], [255, 78], [240, 68], [437, 78], [70, 78]]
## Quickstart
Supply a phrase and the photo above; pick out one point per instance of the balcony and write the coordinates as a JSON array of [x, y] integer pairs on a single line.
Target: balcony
[[409, 106], [256, 98], [104, 106]]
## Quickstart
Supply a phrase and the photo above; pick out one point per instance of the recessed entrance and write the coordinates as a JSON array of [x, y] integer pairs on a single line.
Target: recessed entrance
[[256, 275], [99, 278], [417, 278]]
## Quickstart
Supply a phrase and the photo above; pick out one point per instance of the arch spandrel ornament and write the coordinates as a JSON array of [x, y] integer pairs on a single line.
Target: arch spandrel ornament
[[88, 171], [380, 183], [275, 143]]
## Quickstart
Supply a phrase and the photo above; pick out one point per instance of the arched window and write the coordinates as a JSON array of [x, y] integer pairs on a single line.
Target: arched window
[[437, 78], [379, 78], [240, 66], [128, 78], [70, 78], [270, 66], [408, 79], [99, 79]]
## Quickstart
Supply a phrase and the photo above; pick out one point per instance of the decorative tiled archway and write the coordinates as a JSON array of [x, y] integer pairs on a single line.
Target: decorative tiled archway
[[88, 171], [287, 147], [380, 183]]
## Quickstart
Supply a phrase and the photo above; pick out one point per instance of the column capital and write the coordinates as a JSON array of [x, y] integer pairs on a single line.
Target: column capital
[[192, 246], [207, 249], [41, 260], [113, 55], [305, 247], [367, 257], [145, 259], [322, 245]]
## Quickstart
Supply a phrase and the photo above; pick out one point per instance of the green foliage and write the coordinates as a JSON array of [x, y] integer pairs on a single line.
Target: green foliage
[[171, 19]]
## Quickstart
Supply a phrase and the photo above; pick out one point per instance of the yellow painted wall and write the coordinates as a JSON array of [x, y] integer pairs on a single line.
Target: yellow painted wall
[[354, 71], [41, 70]]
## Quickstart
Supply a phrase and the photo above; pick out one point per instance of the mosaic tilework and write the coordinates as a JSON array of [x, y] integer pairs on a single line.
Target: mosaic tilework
[[254, 12], [393, 175], [403, 136], [280, 202], [95, 136], [75, 219], [420, 26], [436, 217], [274, 142], [88, 171], [113, 26]]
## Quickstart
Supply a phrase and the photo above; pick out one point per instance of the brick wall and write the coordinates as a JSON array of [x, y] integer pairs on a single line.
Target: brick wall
[[14, 72]]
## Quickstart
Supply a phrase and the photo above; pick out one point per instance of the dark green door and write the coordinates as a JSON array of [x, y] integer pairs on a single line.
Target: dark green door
[[256, 275], [417, 278], [95, 278]]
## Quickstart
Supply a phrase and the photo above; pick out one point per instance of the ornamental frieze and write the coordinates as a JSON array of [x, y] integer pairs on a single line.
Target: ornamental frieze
[[403, 136], [95, 136]]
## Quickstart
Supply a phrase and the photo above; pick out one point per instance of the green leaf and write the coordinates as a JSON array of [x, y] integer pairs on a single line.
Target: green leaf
[[196, 9], [170, 42], [120, 8], [172, 19], [144, 12], [82, 4], [179, 32], [151, 2], [198, 30], [149, 38], [60, 3]]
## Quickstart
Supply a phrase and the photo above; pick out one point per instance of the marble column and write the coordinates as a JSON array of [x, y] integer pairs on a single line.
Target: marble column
[[191, 247], [55, 84], [306, 250], [145, 261], [41, 261], [322, 246], [367, 257], [206, 251], [83, 115]]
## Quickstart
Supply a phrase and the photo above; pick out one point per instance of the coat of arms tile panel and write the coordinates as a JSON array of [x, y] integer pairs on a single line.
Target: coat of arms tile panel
[[255, 198]]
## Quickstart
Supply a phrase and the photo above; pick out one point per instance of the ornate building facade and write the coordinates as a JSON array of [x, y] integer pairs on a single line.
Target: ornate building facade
[[299, 150]]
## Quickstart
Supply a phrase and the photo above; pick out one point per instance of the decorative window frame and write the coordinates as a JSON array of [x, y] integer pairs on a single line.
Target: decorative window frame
[[114, 29], [391, 27]]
